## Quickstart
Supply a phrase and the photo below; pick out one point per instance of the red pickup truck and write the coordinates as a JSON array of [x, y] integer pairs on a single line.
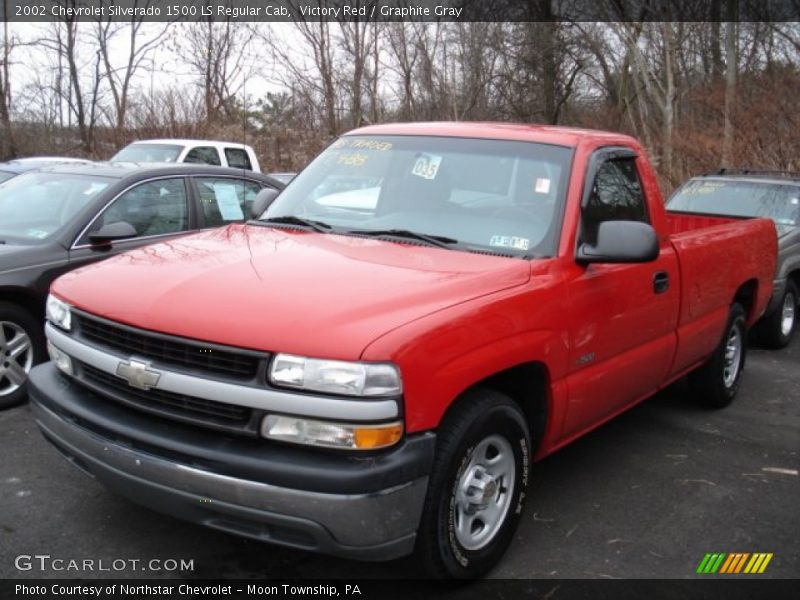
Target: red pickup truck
[[371, 366]]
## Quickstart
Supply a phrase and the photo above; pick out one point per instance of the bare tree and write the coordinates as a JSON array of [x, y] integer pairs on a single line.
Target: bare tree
[[8, 147], [359, 42], [120, 78], [78, 62], [731, 68], [219, 56]]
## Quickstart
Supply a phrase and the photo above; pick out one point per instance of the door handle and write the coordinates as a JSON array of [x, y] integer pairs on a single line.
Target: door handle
[[660, 282]]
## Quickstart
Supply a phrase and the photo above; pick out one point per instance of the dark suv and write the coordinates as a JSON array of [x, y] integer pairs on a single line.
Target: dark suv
[[746, 193], [59, 218]]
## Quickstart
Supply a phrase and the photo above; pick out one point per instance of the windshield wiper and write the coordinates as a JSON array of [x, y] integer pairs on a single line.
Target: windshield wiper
[[318, 226], [439, 241]]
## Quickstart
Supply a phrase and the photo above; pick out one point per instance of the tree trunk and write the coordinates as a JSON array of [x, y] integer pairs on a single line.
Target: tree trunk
[[668, 109], [8, 147], [549, 67], [731, 68]]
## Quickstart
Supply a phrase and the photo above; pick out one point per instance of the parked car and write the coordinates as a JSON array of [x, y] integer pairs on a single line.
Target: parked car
[[225, 154], [747, 193], [376, 383], [56, 219], [18, 166]]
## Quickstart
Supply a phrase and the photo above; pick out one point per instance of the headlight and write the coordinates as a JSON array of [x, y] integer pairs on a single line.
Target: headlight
[[58, 312], [327, 434], [335, 376]]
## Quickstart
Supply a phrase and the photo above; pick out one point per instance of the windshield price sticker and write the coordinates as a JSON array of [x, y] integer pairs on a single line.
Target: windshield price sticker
[[510, 241], [353, 159], [542, 185], [427, 166], [362, 144]]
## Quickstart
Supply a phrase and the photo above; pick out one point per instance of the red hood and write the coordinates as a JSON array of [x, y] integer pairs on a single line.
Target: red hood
[[283, 290]]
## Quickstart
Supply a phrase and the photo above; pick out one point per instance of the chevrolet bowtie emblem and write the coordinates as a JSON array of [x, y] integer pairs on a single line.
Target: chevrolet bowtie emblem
[[138, 374]]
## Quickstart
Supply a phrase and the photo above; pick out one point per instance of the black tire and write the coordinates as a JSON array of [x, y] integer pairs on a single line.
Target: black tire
[[16, 321], [771, 331], [465, 440], [715, 384]]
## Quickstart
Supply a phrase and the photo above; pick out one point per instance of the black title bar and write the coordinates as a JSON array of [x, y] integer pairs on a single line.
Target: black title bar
[[399, 10]]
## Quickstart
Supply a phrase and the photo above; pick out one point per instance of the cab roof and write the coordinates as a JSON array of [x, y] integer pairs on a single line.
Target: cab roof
[[545, 134], [187, 142]]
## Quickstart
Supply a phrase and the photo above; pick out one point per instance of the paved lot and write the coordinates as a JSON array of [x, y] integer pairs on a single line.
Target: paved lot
[[645, 496]]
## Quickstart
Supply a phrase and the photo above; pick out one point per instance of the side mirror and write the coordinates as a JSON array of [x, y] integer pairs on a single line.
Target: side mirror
[[621, 242], [262, 201], [111, 232]]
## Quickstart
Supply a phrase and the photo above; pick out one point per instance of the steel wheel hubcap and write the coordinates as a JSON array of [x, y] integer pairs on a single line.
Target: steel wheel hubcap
[[483, 492], [16, 357], [787, 320], [733, 356]]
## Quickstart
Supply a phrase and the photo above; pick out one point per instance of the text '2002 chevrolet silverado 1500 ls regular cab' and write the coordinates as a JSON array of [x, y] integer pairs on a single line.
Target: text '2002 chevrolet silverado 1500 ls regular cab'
[[370, 368]]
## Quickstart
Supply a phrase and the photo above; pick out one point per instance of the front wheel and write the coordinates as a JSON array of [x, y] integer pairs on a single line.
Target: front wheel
[[715, 384], [477, 487], [21, 344]]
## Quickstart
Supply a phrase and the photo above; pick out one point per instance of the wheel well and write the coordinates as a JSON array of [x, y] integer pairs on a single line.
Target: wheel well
[[746, 296], [527, 385], [24, 300], [794, 277]]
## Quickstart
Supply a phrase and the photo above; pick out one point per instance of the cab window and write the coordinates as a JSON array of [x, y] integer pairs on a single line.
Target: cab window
[[204, 155], [238, 159], [616, 195]]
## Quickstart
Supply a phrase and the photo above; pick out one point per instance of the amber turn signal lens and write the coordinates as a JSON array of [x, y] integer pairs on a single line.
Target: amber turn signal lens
[[377, 437]]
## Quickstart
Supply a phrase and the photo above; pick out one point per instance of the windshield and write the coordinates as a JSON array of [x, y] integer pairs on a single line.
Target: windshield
[[33, 206], [740, 198], [492, 196], [148, 153]]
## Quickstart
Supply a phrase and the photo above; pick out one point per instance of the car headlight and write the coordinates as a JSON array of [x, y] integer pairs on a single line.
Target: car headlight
[[335, 376], [327, 434], [58, 312]]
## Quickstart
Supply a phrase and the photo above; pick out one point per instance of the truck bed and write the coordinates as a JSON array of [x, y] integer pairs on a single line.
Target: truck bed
[[715, 254], [680, 222]]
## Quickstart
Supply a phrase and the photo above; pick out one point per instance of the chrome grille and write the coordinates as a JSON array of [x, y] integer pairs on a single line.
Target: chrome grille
[[197, 411], [166, 350]]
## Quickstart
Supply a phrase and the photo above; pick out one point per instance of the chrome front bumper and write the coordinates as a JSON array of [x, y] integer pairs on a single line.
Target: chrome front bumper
[[378, 525]]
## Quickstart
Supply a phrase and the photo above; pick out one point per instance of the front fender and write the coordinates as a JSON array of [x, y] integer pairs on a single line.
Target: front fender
[[443, 354]]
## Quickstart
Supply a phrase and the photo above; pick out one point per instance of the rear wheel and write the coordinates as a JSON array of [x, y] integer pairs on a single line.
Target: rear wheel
[[715, 384], [776, 330], [477, 487], [21, 347]]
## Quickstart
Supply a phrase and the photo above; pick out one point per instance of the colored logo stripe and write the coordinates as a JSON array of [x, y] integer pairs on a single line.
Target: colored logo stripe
[[758, 563], [711, 563], [734, 563]]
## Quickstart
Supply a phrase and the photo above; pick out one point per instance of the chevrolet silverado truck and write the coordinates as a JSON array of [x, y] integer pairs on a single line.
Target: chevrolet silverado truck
[[373, 376]]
